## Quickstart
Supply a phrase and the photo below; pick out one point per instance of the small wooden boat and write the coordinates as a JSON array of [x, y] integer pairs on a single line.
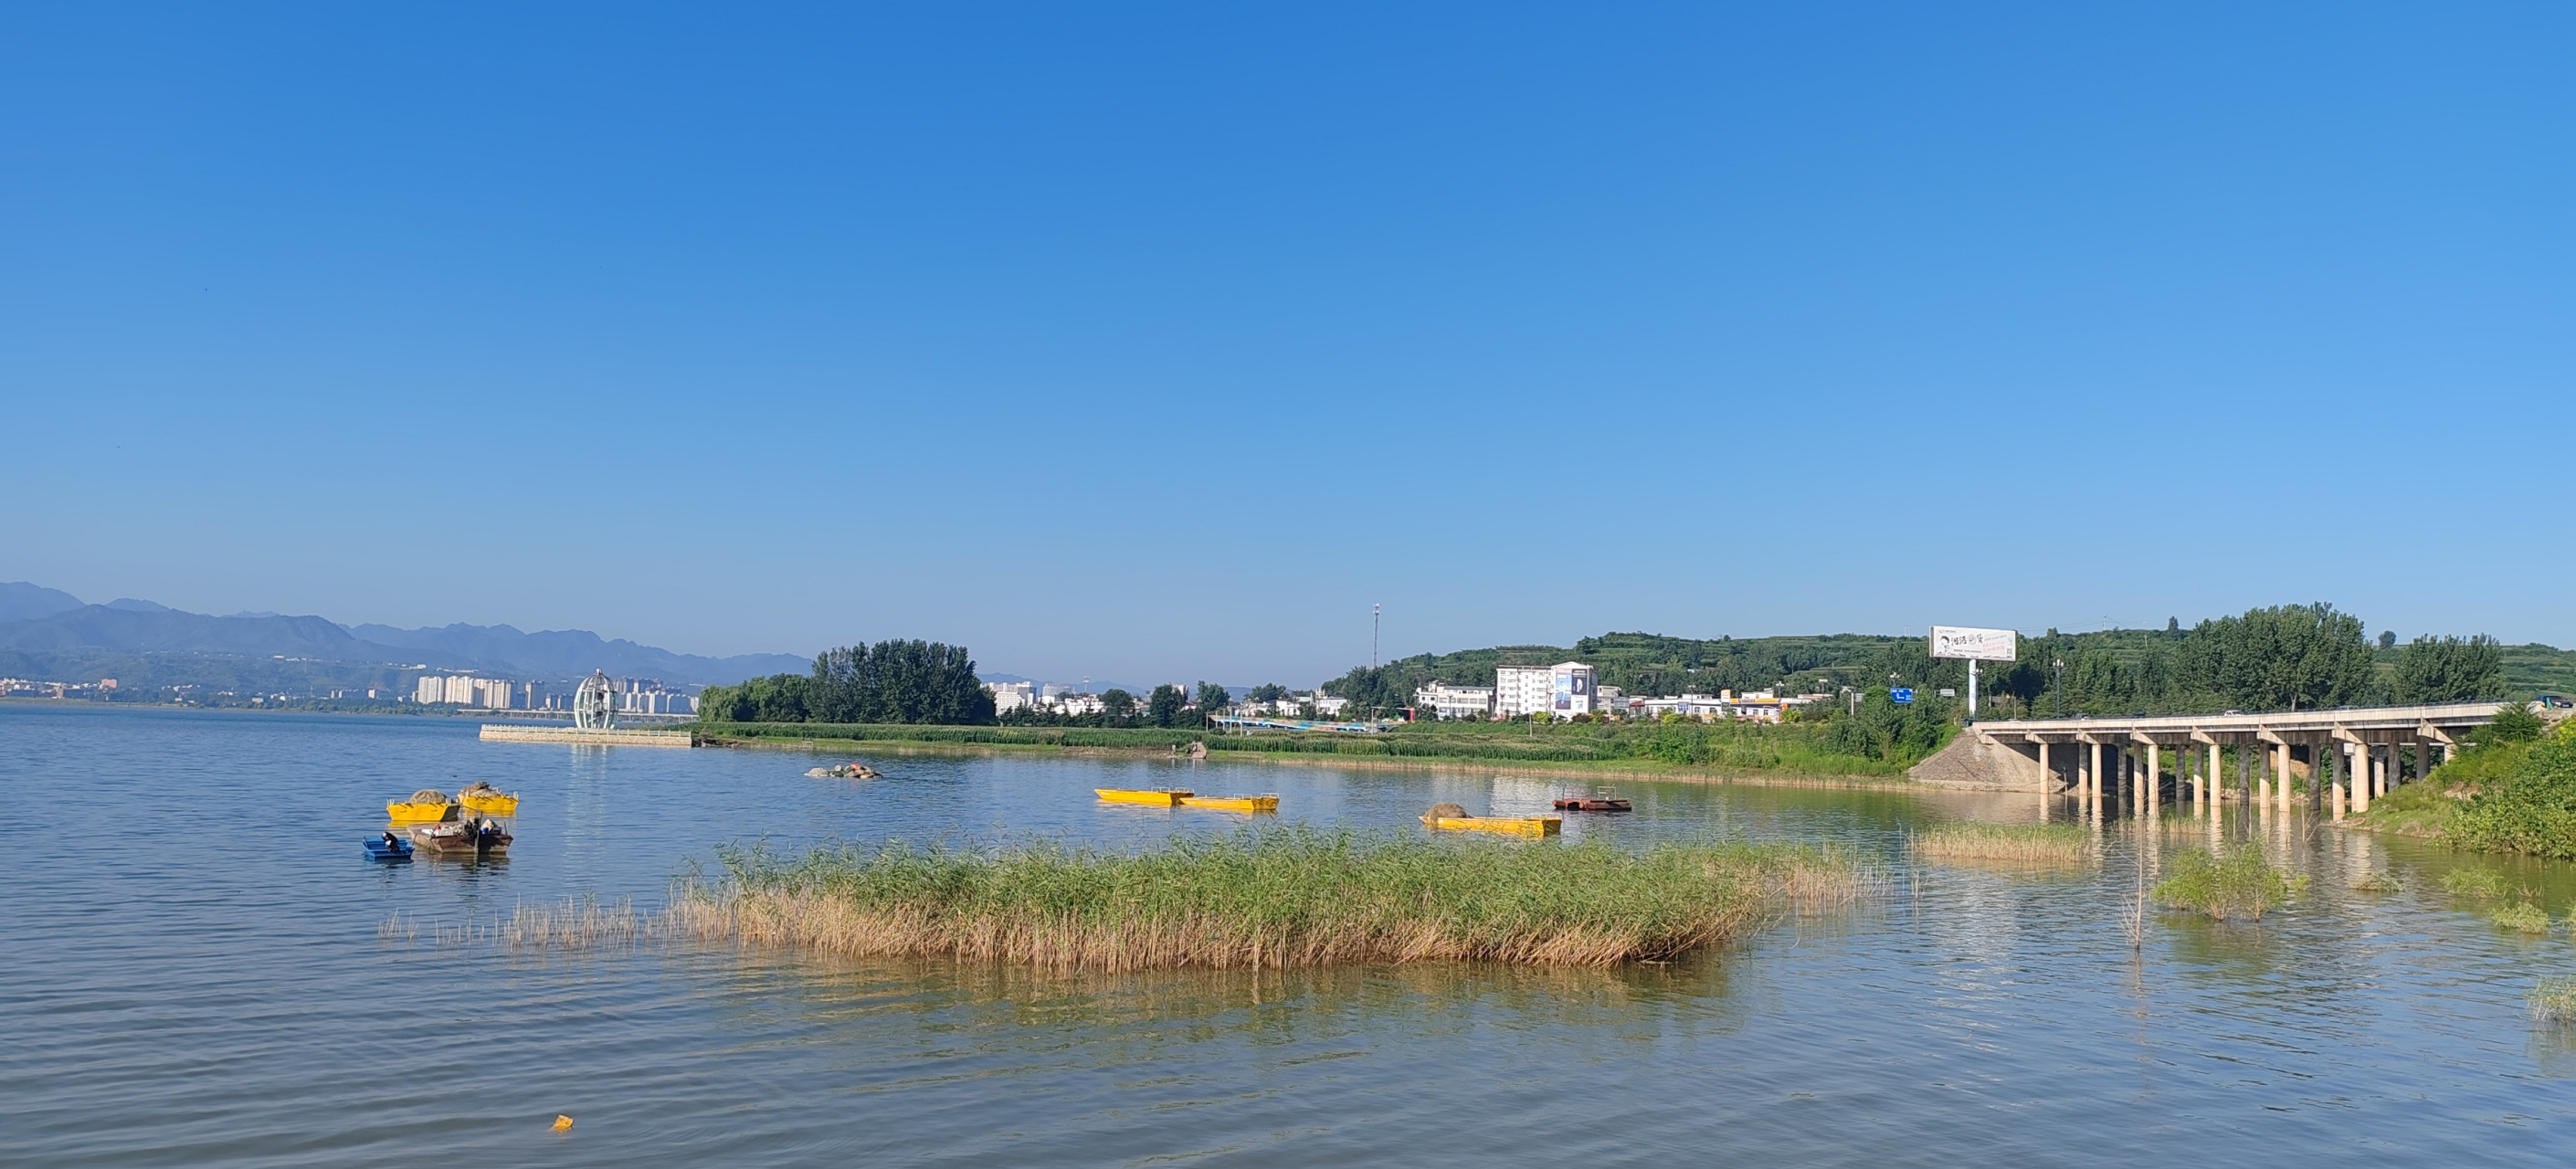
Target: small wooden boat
[[1156, 798], [388, 847], [1593, 804], [461, 837], [844, 771], [1233, 803], [426, 806], [483, 798], [1510, 825]]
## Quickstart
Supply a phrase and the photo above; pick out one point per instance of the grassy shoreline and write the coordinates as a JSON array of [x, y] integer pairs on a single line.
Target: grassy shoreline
[[1263, 898], [1480, 764]]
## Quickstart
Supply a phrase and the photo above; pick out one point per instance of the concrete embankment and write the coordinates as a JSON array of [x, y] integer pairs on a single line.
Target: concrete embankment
[[506, 733]]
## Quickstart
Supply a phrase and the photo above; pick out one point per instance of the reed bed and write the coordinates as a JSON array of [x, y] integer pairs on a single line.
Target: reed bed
[[2554, 999], [2522, 918], [2025, 844], [2478, 883], [2233, 882], [1262, 897]]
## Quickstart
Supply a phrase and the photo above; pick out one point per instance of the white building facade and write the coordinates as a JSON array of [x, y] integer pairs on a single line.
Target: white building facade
[[1563, 690], [1442, 700]]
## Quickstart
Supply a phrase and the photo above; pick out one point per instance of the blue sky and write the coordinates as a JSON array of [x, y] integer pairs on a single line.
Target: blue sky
[[1162, 341]]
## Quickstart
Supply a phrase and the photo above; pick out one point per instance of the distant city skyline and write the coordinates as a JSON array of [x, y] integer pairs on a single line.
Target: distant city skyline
[[1155, 343]]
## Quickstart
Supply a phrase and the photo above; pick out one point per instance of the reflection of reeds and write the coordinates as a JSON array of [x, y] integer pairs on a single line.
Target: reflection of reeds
[[2027, 844], [1270, 897], [2554, 1000]]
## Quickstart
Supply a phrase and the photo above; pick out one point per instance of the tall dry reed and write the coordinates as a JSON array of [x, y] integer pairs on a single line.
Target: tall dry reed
[[1262, 897], [2025, 844]]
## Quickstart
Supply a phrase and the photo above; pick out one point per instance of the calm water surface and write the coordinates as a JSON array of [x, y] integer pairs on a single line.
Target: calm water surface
[[191, 973]]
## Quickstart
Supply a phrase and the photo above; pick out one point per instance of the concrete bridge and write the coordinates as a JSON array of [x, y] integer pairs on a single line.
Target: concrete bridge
[[2348, 756]]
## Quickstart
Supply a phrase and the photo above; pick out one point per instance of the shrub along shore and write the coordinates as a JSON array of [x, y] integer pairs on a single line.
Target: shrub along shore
[[1686, 749], [2514, 790], [1262, 897]]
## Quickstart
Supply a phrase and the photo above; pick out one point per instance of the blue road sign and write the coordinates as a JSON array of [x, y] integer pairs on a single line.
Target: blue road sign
[[1902, 694]]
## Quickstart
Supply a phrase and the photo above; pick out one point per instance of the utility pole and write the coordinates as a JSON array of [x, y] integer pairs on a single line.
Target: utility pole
[[1373, 624]]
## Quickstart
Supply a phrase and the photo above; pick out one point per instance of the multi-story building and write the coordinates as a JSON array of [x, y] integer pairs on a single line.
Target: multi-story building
[[1563, 690], [1010, 696], [1442, 700]]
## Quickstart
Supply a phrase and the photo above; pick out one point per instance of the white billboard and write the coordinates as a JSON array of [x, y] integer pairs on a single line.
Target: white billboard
[[1976, 645]]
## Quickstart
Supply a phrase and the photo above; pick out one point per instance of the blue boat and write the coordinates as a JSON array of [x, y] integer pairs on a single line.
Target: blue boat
[[388, 847]]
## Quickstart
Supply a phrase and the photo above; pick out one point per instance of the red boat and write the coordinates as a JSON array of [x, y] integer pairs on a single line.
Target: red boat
[[1593, 804]]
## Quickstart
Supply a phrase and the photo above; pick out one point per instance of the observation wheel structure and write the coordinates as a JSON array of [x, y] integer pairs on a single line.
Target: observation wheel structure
[[594, 706]]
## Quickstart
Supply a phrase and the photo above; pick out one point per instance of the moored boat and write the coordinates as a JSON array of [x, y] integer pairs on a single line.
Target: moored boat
[[460, 837], [1155, 797], [1593, 804], [1233, 803], [483, 798], [385, 846], [1452, 818], [426, 806]]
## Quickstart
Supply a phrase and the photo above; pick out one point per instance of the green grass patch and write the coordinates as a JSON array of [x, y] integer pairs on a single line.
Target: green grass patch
[[2554, 999], [2236, 882], [2522, 918], [1264, 897], [2484, 884], [2025, 844]]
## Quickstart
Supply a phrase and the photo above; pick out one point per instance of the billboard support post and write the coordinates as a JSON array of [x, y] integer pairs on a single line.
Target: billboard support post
[[1975, 645]]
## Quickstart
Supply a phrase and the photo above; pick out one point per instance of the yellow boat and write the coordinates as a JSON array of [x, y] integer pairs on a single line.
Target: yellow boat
[[1515, 825], [426, 806], [484, 799], [1129, 795], [1233, 803]]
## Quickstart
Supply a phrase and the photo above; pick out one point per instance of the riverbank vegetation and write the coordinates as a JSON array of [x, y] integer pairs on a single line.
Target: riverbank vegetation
[[2279, 658], [2234, 882], [2024, 844], [2513, 789], [1266, 897], [1882, 740]]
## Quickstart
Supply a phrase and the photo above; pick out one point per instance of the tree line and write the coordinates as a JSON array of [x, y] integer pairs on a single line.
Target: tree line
[[2265, 659], [889, 682]]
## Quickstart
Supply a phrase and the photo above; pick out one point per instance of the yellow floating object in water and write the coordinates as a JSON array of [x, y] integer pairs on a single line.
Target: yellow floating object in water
[[562, 1123], [1128, 795], [407, 812], [491, 803], [1233, 803], [1514, 825]]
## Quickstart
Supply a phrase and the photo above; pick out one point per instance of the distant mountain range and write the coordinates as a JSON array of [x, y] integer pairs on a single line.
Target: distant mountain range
[[55, 626]]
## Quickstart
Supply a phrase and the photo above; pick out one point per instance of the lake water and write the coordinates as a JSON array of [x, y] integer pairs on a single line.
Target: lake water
[[192, 973]]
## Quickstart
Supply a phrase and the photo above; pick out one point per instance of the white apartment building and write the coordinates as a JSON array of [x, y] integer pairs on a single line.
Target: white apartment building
[[1564, 690], [1442, 700], [1010, 696], [467, 690]]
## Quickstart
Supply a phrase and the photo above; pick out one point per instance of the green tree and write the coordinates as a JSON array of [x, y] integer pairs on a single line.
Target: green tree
[[2516, 723], [899, 682], [1117, 705], [2287, 657], [1163, 706], [1213, 698], [1266, 692], [2450, 669]]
